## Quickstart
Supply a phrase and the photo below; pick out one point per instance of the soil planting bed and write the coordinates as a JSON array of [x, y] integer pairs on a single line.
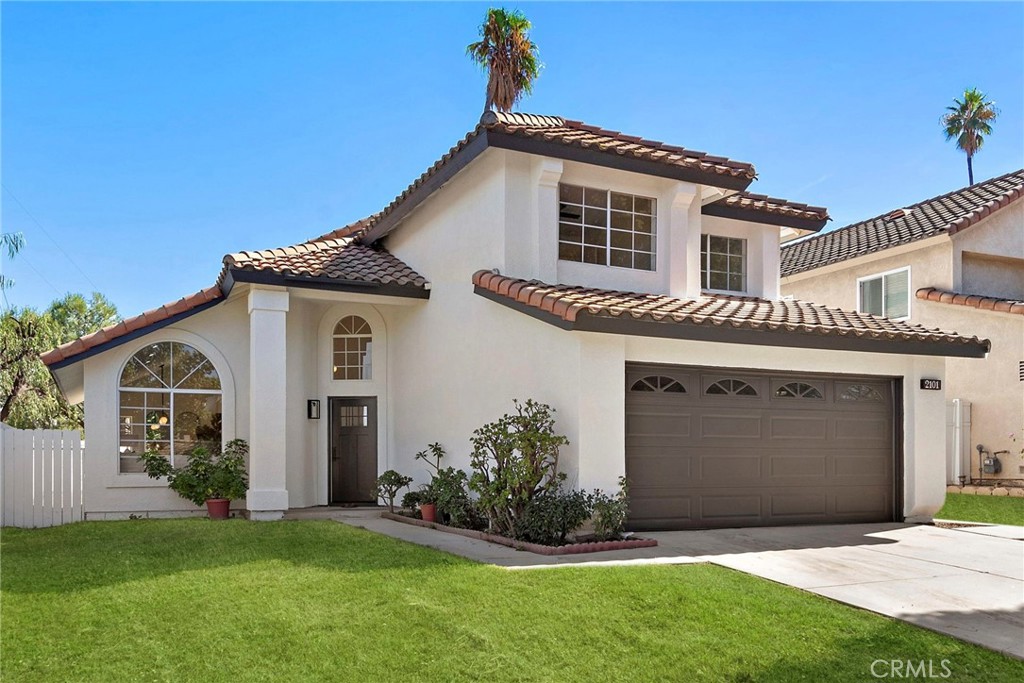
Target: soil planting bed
[[569, 549]]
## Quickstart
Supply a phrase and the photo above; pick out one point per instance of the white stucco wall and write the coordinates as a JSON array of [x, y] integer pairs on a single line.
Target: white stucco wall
[[221, 333]]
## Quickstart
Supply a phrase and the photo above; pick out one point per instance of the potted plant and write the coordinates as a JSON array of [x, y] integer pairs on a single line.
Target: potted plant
[[432, 455], [213, 479]]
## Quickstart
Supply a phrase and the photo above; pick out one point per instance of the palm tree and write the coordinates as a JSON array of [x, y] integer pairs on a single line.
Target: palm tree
[[969, 120], [509, 56]]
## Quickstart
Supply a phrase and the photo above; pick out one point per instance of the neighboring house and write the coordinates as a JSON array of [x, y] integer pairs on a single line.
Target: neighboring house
[[955, 262], [660, 339]]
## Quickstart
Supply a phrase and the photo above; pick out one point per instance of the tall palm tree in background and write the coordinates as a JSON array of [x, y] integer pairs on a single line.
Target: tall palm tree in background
[[509, 56], [969, 121]]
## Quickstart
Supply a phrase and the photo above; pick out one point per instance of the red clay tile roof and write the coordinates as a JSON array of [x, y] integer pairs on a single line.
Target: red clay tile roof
[[573, 304], [773, 205], [946, 214], [579, 134], [162, 314], [340, 259], [985, 303], [555, 132]]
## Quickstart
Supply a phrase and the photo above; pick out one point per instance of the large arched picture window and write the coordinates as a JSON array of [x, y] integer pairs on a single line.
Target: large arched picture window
[[170, 402], [351, 354]]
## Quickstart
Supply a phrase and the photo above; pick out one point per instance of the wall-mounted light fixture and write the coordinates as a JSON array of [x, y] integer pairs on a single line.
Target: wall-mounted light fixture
[[313, 409]]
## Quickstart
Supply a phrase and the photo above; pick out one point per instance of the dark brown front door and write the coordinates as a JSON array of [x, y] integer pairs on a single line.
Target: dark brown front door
[[709, 447], [353, 449]]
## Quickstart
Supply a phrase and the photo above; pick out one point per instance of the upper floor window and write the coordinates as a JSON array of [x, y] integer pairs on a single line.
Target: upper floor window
[[723, 263], [170, 402], [353, 343], [606, 228], [885, 294]]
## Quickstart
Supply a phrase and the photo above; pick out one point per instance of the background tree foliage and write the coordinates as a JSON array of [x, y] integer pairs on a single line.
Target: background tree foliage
[[29, 398]]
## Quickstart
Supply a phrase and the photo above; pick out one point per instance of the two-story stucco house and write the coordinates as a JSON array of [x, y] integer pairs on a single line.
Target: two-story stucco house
[[630, 284], [957, 262]]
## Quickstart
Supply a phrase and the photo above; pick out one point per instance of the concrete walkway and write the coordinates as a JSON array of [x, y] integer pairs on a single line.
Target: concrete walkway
[[967, 583]]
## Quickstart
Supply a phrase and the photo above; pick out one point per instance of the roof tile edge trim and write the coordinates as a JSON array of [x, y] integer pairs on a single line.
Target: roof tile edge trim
[[981, 302]]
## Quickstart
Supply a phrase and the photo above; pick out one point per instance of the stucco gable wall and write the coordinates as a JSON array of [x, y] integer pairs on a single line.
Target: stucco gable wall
[[220, 332], [990, 255], [458, 360]]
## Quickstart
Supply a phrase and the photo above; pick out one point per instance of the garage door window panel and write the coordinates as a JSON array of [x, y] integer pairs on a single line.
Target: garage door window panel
[[800, 390], [859, 393], [731, 387], [658, 383]]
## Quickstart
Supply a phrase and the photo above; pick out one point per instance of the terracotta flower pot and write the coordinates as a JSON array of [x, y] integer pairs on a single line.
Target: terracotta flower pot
[[429, 512], [218, 508]]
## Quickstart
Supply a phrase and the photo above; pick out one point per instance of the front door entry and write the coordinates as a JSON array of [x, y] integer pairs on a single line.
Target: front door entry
[[353, 450]]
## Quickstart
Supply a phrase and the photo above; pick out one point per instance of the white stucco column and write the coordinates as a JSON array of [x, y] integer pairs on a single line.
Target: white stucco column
[[924, 441], [546, 175], [684, 242], [770, 261], [267, 497], [602, 430]]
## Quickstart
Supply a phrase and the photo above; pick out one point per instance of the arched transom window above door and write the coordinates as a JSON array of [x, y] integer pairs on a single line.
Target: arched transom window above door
[[170, 402], [351, 356]]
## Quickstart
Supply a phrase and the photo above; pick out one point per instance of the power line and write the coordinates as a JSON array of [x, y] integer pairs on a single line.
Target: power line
[[22, 257], [55, 242]]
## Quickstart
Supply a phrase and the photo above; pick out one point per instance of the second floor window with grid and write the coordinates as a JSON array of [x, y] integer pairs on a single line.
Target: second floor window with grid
[[606, 228], [723, 263]]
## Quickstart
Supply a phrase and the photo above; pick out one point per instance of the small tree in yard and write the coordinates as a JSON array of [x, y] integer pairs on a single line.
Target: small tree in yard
[[388, 486], [514, 460]]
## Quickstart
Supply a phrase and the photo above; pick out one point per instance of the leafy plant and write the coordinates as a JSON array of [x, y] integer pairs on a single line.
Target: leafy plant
[[388, 486], [206, 475], [552, 516], [514, 460], [412, 500], [610, 512]]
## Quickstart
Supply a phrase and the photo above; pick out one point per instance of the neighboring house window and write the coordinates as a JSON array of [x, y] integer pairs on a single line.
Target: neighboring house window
[[723, 263], [170, 402], [606, 228], [885, 294], [353, 343]]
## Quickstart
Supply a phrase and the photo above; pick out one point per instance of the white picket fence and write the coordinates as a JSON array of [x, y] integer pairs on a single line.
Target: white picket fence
[[40, 477]]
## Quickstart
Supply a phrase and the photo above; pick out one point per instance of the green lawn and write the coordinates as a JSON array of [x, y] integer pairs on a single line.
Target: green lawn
[[992, 509], [193, 600]]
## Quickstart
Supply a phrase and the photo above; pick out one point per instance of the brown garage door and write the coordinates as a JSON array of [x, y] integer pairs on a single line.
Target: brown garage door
[[708, 448]]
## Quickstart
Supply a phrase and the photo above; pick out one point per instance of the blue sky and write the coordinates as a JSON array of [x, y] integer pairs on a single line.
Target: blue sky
[[147, 140]]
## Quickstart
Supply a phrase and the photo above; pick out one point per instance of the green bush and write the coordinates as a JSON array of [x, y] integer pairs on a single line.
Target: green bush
[[610, 512], [388, 486], [550, 517], [412, 500], [514, 460], [206, 475]]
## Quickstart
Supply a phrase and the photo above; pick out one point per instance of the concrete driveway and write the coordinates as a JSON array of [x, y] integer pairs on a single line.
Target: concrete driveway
[[967, 583]]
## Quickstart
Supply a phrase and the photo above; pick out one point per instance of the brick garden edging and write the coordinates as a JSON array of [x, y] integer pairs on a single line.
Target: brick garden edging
[[570, 549], [972, 490]]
